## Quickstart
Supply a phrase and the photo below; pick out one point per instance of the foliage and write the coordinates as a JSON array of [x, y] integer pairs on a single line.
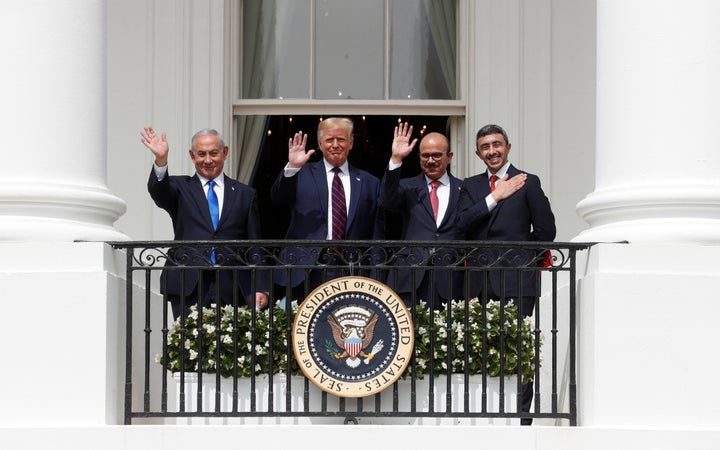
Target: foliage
[[220, 334], [496, 335], [217, 341]]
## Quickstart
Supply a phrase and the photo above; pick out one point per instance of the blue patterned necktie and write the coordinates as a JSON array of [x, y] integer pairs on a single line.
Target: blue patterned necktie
[[214, 206], [339, 210]]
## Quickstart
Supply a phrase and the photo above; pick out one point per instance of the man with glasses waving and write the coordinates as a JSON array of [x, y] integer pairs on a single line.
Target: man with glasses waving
[[428, 205]]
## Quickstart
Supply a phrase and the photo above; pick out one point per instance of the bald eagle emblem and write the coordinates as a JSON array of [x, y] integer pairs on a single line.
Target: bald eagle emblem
[[353, 328]]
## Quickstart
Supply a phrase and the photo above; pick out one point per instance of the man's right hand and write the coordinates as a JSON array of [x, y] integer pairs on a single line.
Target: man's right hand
[[157, 145], [401, 145], [297, 156], [507, 187]]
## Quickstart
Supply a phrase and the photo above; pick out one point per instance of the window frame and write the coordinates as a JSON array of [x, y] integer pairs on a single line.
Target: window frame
[[457, 108]]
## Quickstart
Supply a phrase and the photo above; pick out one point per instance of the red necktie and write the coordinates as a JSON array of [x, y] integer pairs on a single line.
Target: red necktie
[[493, 180], [434, 201], [339, 211]]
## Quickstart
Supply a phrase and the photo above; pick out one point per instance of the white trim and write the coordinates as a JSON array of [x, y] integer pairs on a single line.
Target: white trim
[[366, 107]]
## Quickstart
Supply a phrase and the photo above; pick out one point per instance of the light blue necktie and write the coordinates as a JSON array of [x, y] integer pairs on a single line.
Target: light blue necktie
[[214, 211]]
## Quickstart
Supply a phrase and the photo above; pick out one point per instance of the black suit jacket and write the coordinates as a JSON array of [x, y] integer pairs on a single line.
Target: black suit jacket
[[184, 199], [307, 195], [410, 197], [524, 216]]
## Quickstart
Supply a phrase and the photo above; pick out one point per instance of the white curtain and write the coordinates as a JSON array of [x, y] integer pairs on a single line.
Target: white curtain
[[441, 17], [258, 80]]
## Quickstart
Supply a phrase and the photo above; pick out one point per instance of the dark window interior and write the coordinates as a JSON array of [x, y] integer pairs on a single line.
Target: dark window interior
[[371, 152]]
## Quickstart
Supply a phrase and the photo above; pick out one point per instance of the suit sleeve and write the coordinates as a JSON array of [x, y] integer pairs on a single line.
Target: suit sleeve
[[390, 196], [473, 211], [254, 231], [284, 189], [542, 217], [163, 193]]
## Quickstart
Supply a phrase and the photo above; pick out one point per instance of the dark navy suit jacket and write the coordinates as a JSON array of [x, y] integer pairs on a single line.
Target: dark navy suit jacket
[[411, 198], [184, 199], [524, 216], [307, 195]]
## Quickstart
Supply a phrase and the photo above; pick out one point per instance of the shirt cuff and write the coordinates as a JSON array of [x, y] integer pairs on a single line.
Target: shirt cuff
[[160, 172], [490, 202], [290, 171]]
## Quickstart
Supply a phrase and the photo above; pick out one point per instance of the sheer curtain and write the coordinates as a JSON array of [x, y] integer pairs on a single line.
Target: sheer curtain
[[441, 18], [258, 81]]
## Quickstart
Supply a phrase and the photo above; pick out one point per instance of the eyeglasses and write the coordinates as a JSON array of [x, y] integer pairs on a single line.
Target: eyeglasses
[[436, 155]]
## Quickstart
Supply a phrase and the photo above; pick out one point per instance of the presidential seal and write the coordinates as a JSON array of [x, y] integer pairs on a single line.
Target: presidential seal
[[353, 337]]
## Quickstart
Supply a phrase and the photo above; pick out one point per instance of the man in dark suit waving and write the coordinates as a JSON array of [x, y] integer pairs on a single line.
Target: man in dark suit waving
[[329, 199], [205, 206], [506, 204], [428, 205]]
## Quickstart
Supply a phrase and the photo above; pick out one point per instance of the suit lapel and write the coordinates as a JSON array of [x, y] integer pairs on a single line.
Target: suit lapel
[[229, 199], [423, 195], [511, 172], [452, 200], [320, 178], [355, 191], [198, 195]]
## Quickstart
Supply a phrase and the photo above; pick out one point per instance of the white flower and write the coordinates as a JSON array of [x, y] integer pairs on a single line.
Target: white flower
[[193, 354]]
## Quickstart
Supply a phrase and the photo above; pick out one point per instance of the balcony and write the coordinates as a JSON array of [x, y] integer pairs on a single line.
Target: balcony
[[466, 335]]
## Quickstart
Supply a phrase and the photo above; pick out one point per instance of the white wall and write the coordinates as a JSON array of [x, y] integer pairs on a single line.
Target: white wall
[[165, 69], [532, 71]]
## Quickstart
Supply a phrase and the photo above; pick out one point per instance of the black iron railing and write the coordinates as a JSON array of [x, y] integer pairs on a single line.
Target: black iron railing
[[231, 362]]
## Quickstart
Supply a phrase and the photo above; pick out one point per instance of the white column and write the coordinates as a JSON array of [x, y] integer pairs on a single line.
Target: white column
[[658, 113], [53, 116]]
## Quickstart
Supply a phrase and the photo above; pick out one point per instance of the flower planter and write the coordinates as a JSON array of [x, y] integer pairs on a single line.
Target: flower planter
[[262, 388]]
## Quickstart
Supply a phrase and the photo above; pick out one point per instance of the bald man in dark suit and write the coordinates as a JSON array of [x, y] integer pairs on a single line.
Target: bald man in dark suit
[[428, 204]]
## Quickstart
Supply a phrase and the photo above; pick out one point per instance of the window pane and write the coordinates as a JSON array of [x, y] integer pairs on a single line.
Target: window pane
[[349, 44], [276, 49], [349, 49], [422, 49]]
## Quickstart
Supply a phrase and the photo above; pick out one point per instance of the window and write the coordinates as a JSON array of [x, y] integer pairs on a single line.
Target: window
[[385, 58], [348, 49]]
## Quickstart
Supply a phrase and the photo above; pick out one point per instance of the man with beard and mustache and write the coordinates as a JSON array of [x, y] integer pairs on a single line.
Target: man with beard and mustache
[[489, 214]]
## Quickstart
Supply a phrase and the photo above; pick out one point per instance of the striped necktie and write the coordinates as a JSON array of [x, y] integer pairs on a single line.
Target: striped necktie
[[339, 210]]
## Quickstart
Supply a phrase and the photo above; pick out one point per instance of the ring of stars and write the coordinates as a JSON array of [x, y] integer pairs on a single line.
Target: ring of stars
[[376, 365]]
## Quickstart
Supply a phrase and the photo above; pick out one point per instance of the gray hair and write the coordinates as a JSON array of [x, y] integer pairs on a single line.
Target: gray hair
[[204, 132]]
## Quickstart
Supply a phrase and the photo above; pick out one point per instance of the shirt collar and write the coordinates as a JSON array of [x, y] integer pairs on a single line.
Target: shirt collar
[[444, 179], [343, 168], [500, 173], [219, 180]]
